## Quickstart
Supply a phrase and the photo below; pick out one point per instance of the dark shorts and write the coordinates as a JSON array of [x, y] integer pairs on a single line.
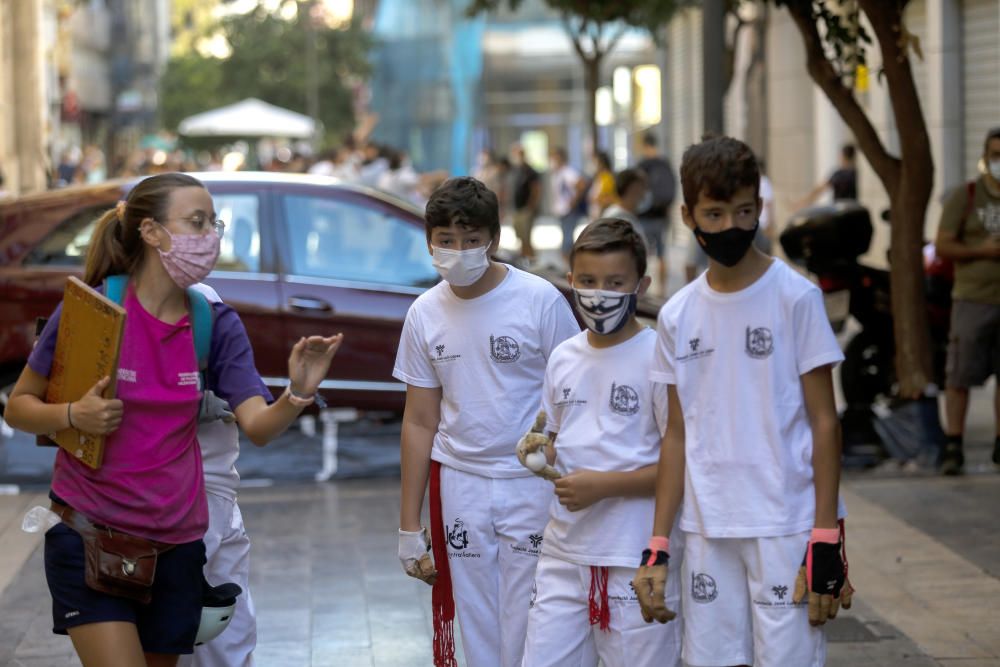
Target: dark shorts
[[973, 344], [168, 624], [655, 230]]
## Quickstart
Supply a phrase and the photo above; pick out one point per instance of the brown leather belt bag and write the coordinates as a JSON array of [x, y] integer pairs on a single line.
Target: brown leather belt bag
[[116, 563]]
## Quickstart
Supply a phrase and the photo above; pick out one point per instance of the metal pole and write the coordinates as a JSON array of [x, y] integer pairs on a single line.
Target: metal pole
[[713, 59]]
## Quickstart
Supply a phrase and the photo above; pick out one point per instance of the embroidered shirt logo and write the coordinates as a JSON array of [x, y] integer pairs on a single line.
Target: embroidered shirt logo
[[568, 399], [126, 375], [439, 356], [703, 588], [624, 399], [536, 540], [759, 342], [458, 536], [779, 591], [696, 351], [566, 392], [190, 379], [504, 349]]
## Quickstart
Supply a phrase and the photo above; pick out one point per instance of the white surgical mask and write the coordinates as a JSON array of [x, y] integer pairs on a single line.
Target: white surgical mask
[[995, 169], [461, 268]]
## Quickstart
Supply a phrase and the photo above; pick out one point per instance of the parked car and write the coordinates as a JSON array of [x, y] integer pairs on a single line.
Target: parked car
[[300, 255]]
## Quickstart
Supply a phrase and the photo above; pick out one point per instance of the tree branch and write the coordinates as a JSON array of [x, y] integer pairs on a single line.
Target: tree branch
[[613, 42], [575, 36], [826, 77]]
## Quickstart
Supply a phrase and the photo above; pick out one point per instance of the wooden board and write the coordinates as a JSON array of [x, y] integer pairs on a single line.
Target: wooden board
[[87, 348]]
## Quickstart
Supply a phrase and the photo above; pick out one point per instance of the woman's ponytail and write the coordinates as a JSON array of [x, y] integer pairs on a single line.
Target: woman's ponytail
[[107, 255]]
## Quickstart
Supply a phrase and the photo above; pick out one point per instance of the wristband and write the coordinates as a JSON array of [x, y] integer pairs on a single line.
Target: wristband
[[659, 543], [657, 553], [69, 415], [825, 535], [297, 400]]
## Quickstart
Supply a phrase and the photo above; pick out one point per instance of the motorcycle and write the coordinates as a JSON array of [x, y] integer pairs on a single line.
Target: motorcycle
[[827, 241]]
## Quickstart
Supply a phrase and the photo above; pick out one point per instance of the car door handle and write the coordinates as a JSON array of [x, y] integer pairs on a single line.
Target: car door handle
[[304, 303]]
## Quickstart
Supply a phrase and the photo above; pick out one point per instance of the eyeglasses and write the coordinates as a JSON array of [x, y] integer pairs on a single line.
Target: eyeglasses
[[199, 223]]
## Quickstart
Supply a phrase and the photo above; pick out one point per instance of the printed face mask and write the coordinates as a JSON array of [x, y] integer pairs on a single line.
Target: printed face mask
[[726, 247], [995, 169], [461, 268], [191, 257], [603, 311]]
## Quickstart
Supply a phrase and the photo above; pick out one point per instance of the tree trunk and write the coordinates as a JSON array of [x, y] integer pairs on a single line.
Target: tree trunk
[[909, 204], [908, 180], [592, 81]]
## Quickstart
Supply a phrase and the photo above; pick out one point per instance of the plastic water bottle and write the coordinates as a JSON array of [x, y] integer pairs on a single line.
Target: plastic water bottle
[[39, 519]]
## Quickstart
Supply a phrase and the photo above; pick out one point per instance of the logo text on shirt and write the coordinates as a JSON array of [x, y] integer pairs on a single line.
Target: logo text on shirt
[[189, 379], [439, 355], [566, 400], [126, 375], [696, 351]]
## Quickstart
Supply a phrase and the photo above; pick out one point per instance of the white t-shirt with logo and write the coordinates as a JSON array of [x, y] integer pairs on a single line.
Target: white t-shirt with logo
[[609, 416], [737, 361], [488, 355]]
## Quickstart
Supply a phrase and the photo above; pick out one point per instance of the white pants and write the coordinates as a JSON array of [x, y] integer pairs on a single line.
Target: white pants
[[227, 549], [559, 629], [738, 604], [494, 532]]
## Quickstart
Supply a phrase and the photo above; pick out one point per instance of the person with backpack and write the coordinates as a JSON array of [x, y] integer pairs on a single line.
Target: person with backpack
[[655, 215], [969, 235], [149, 492]]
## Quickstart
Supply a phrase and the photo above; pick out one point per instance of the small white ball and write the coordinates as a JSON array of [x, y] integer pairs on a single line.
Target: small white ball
[[535, 461]]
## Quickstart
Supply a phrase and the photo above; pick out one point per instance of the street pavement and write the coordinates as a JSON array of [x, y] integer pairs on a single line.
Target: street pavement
[[924, 554]]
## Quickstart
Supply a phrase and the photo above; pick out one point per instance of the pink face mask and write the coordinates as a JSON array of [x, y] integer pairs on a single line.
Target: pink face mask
[[191, 257]]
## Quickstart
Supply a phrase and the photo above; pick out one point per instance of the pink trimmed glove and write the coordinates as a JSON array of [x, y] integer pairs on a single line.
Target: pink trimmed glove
[[650, 582], [823, 575]]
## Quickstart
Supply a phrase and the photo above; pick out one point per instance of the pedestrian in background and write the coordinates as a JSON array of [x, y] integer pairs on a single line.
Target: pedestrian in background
[[566, 189], [654, 215], [602, 186], [842, 183], [526, 196], [969, 235], [632, 189]]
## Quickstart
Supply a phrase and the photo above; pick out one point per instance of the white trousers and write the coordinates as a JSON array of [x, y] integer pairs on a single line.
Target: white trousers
[[227, 549], [559, 629], [738, 604], [494, 532]]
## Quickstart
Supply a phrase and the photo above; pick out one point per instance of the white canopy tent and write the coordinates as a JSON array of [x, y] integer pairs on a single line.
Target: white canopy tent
[[249, 118]]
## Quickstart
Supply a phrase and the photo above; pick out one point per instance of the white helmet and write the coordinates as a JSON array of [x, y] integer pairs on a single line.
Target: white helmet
[[217, 607]]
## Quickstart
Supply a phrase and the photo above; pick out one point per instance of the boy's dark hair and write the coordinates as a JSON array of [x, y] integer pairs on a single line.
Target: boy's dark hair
[[649, 139], [848, 152], [718, 166], [560, 153], [626, 178], [991, 134], [610, 235], [466, 202]]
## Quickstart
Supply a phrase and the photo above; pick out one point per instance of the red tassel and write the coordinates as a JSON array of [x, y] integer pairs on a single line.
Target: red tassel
[[600, 613], [442, 597]]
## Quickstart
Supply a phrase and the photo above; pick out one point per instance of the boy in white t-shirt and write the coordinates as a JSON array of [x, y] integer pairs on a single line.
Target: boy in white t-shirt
[[752, 442], [603, 418], [473, 354]]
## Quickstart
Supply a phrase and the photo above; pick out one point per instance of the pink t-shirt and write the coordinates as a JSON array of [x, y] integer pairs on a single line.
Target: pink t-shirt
[[151, 481]]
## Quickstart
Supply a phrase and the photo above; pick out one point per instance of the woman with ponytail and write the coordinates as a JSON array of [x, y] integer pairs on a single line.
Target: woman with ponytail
[[164, 238]]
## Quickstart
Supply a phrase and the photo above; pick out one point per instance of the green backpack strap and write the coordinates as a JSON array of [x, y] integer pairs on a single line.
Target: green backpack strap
[[201, 326]]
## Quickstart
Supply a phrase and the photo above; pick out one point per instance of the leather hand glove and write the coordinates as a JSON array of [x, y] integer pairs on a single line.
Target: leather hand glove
[[415, 555], [822, 579], [213, 408], [650, 582], [533, 441]]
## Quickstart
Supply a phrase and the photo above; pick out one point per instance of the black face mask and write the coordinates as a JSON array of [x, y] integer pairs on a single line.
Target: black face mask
[[726, 247]]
